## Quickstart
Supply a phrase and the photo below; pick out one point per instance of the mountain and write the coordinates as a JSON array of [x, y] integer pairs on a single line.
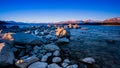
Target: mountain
[[3, 22], [112, 20]]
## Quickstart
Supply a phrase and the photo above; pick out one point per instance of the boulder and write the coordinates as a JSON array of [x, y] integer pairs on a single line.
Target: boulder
[[56, 59], [54, 65], [38, 65], [61, 32], [56, 53], [6, 55], [25, 62], [22, 38], [51, 47], [89, 60], [72, 66]]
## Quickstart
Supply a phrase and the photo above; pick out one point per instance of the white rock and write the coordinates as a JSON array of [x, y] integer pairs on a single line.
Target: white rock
[[56, 59], [72, 66], [66, 61], [65, 65], [54, 65], [51, 47], [88, 60], [44, 58], [38, 65], [56, 53]]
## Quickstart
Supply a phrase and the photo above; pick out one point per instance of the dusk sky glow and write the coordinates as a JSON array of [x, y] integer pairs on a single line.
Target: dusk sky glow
[[58, 10]]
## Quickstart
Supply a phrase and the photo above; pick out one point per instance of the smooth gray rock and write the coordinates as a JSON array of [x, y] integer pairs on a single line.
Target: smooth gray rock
[[56, 59], [56, 53], [54, 65], [38, 65], [88, 60], [51, 47], [6, 55]]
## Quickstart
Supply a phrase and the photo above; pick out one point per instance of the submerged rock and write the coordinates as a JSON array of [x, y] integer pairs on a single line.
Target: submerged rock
[[38, 65], [6, 55]]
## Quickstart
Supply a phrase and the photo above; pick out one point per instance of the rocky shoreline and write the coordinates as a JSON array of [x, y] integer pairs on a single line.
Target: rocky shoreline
[[44, 47]]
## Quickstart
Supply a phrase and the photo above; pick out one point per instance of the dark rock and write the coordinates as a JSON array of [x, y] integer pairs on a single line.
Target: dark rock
[[6, 55]]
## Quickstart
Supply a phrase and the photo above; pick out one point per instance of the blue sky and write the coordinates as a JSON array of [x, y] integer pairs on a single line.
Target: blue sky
[[58, 10]]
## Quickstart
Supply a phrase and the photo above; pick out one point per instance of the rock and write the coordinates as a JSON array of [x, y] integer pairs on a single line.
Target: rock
[[38, 65], [56, 53], [6, 55], [56, 59], [22, 38], [49, 54], [66, 61], [61, 32], [88, 60], [44, 58], [51, 47], [63, 40], [25, 62], [50, 37], [54, 65], [72, 66], [65, 65]]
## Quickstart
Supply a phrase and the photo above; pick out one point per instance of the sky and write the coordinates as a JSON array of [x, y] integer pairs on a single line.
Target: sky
[[58, 10]]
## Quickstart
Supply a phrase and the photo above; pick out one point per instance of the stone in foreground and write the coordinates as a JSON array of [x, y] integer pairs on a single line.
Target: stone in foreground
[[54, 65], [6, 55], [25, 62], [38, 65]]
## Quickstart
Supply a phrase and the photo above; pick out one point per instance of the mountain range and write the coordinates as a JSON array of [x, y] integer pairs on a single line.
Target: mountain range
[[111, 21]]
